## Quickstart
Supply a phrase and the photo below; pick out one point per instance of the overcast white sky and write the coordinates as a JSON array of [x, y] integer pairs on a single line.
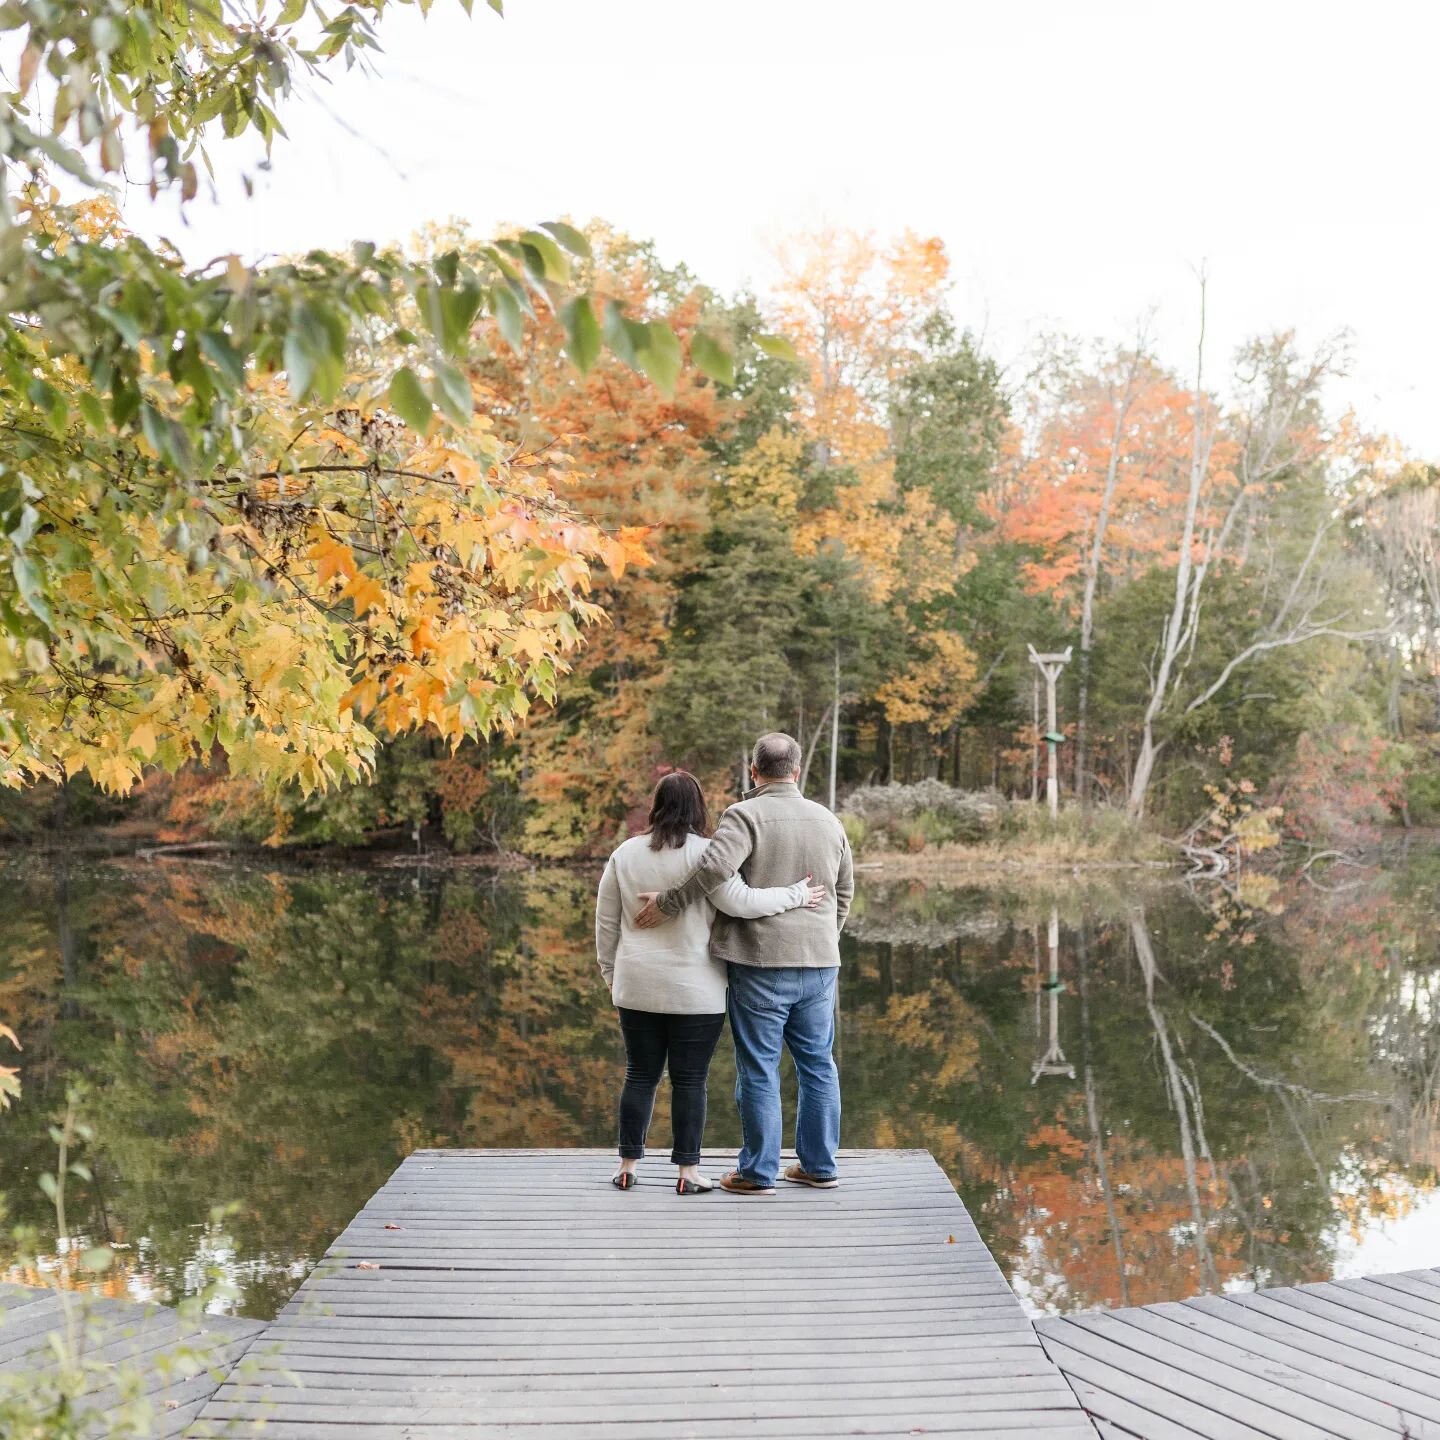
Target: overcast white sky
[[1078, 157]]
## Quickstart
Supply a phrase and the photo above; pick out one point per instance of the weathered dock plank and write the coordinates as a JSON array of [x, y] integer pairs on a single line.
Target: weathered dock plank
[[496, 1294], [1340, 1360], [121, 1338]]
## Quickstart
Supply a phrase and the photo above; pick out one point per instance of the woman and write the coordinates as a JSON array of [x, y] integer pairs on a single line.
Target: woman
[[669, 992]]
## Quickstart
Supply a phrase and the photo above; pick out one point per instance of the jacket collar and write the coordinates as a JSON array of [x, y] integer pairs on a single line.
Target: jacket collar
[[773, 787]]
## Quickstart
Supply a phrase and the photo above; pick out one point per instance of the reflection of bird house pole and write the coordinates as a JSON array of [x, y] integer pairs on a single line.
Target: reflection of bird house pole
[[1050, 667], [1053, 1061]]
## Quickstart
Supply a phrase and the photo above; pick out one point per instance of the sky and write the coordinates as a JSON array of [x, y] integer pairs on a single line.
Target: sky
[[1080, 159]]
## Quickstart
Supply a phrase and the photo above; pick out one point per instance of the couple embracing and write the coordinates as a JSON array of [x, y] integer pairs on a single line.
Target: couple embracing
[[756, 908]]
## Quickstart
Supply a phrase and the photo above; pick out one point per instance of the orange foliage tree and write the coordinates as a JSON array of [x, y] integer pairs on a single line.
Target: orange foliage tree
[[854, 314], [641, 469]]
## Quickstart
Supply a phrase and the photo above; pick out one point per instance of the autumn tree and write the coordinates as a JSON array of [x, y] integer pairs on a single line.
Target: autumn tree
[[860, 318], [1095, 494], [855, 314], [950, 424], [1400, 531], [259, 509], [1267, 491]]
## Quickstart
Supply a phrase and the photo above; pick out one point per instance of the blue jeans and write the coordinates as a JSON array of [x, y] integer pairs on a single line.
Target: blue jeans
[[794, 1006]]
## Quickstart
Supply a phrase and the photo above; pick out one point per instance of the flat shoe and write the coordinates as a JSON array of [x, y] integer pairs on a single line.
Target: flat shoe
[[796, 1176], [737, 1184], [625, 1180], [693, 1187]]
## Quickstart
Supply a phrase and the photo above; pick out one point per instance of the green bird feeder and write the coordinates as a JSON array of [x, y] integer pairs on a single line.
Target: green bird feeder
[[1054, 737]]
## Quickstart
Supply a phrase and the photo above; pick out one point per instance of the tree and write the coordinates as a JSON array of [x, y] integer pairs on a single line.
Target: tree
[[854, 315], [739, 622], [643, 469], [1278, 509], [1096, 494], [950, 420], [860, 318], [1401, 532], [260, 510], [762, 635]]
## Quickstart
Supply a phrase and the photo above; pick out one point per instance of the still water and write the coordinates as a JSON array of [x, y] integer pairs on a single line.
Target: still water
[[1188, 1091]]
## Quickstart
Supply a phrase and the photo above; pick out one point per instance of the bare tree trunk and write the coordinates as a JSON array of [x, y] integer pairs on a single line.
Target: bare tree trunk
[[1179, 1096], [835, 731], [1035, 740], [1174, 632], [812, 746], [1393, 711], [1092, 573], [1082, 711], [1107, 1189], [1144, 769]]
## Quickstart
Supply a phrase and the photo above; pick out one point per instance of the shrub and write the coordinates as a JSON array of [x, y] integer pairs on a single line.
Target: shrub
[[939, 828], [1100, 833], [66, 1387], [945, 814], [856, 831], [1422, 795]]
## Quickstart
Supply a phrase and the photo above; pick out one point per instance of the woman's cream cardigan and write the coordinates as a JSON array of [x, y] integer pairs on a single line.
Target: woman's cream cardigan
[[668, 969]]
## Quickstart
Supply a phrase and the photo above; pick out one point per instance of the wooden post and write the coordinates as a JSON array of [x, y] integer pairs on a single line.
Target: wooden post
[[1050, 667]]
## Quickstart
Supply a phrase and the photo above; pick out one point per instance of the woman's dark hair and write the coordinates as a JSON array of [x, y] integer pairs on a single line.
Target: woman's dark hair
[[677, 811]]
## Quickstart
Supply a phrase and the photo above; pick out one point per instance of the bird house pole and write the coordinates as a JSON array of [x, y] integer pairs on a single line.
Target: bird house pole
[[1050, 667]]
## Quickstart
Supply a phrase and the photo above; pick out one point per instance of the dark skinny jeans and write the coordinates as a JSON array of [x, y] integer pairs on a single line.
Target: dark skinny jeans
[[685, 1043]]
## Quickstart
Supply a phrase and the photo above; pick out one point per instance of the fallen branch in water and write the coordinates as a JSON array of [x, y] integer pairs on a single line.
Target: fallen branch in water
[[1287, 1086], [1341, 857], [1207, 862], [182, 848]]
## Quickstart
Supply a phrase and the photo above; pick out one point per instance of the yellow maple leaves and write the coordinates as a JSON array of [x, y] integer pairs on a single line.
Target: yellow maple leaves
[[768, 476], [365, 592], [936, 689], [331, 558], [624, 549], [355, 584]]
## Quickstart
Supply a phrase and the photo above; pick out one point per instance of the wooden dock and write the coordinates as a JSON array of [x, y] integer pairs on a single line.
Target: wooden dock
[[485, 1294], [517, 1294], [120, 1335], [1353, 1359]]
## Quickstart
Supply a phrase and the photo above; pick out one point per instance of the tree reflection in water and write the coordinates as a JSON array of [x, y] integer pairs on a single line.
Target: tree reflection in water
[[1244, 1092]]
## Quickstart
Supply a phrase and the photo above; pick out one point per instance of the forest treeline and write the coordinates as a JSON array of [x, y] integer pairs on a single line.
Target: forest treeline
[[859, 539]]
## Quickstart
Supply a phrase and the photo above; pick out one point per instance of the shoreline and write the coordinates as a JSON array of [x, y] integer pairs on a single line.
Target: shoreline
[[934, 864]]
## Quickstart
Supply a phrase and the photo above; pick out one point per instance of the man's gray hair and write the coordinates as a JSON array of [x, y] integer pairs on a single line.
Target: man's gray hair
[[776, 756]]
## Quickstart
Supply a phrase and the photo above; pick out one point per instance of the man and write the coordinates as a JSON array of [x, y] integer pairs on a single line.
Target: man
[[783, 969]]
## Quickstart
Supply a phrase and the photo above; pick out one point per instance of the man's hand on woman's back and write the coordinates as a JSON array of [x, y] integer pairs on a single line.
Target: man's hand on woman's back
[[650, 914]]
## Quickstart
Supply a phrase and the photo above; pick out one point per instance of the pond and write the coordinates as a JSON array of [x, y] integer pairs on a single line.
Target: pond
[[1190, 1090]]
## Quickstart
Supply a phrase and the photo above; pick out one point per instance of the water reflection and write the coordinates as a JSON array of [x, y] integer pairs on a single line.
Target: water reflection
[[1140, 1094]]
